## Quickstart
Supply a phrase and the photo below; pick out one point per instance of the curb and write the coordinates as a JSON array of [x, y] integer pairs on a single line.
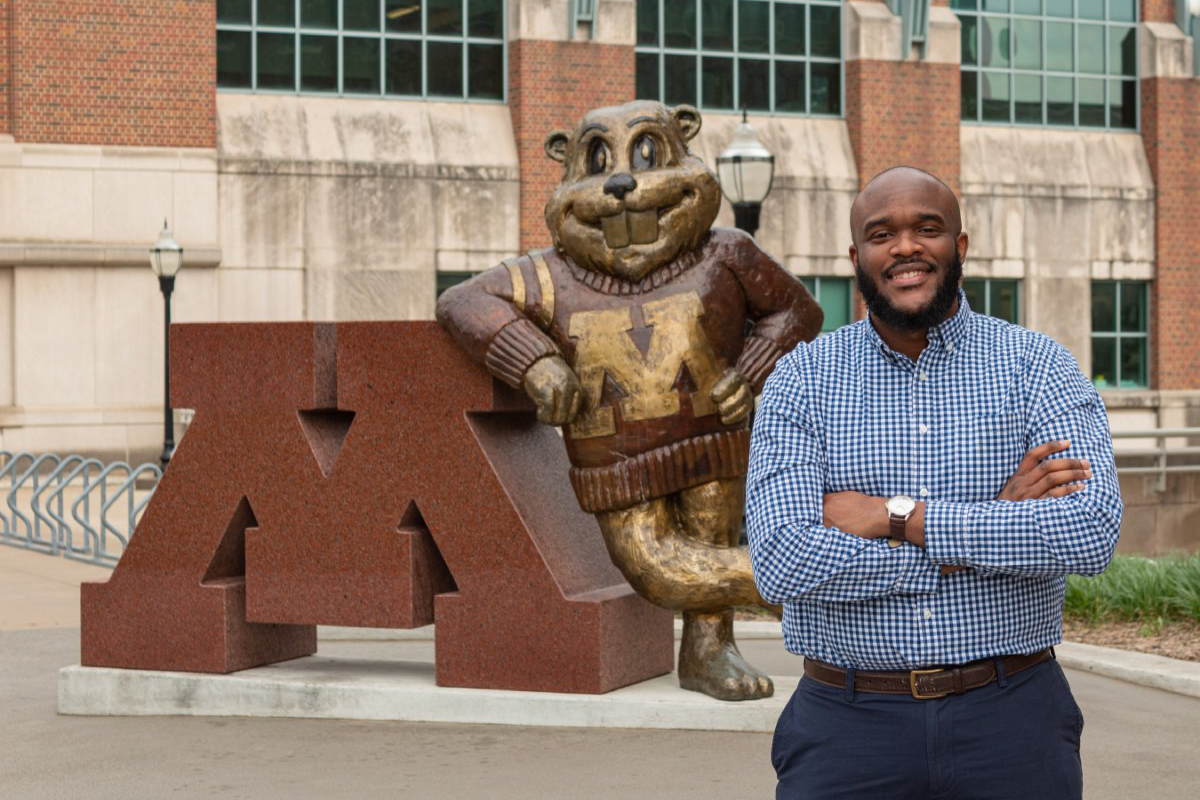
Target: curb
[[1157, 672]]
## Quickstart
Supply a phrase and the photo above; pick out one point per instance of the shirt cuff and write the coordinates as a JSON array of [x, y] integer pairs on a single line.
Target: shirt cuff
[[514, 350], [947, 526], [757, 360], [919, 575]]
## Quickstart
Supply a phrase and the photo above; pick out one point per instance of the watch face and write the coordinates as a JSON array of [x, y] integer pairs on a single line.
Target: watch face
[[901, 506]]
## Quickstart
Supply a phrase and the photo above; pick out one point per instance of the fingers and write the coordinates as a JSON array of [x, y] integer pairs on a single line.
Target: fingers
[[1063, 491], [1057, 472], [1038, 454], [548, 406], [562, 405], [737, 407], [728, 383], [575, 404]]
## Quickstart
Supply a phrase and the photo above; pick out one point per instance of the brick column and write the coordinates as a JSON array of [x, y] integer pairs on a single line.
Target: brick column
[[6, 10], [902, 110], [112, 72], [1171, 134], [553, 79]]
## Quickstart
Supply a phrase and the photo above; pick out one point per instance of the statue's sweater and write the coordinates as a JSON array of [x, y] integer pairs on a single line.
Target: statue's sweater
[[646, 353]]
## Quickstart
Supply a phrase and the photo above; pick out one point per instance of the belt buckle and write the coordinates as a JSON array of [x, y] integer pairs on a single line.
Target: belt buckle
[[912, 684]]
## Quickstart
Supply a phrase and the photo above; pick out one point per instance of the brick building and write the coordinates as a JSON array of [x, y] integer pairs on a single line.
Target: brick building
[[343, 159]]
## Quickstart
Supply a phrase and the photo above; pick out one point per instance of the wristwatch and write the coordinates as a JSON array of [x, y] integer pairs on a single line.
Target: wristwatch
[[899, 509]]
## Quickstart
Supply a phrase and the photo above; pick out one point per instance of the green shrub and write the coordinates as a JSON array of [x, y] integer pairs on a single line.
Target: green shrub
[[1134, 588]]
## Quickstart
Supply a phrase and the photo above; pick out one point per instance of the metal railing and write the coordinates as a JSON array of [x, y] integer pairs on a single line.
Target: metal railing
[[72, 506], [1161, 453]]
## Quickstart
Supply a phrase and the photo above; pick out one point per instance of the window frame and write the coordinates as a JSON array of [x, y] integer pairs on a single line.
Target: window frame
[[1118, 336], [661, 51], [444, 279], [988, 283], [815, 291], [382, 36], [977, 70]]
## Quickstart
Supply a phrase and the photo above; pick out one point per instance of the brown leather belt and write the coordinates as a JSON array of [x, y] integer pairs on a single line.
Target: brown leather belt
[[924, 684]]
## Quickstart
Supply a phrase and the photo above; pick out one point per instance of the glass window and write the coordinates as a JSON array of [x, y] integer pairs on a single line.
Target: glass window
[[995, 297], [1044, 62], [1120, 314], [834, 297], [761, 55], [445, 280], [415, 48]]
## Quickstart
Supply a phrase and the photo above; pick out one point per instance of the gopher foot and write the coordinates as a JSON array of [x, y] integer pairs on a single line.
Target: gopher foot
[[709, 660]]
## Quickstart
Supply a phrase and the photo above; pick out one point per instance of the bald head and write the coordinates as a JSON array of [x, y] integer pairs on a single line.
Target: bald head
[[903, 185]]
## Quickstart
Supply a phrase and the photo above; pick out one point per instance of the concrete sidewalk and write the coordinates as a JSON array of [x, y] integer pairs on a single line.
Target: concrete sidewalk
[[1138, 742], [41, 591]]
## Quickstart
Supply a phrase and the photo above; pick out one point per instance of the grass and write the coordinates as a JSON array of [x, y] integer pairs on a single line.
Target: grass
[[1137, 589]]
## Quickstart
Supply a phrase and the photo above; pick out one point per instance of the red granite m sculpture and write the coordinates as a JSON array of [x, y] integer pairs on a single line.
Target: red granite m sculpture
[[366, 474]]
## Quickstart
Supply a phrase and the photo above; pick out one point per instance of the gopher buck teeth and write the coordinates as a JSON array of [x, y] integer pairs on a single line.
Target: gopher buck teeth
[[636, 227]]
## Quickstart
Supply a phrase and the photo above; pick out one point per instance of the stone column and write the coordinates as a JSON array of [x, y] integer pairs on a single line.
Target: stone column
[[1171, 134], [902, 109], [554, 75]]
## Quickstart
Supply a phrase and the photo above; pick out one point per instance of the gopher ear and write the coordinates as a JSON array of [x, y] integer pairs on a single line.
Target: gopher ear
[[688, 120], [556, 145]]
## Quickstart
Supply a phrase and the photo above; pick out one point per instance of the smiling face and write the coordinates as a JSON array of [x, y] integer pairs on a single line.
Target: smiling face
[[908, 249], [632, 198]]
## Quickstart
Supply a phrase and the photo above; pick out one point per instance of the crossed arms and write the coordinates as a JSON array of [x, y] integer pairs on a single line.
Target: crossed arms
[[1053, 516]]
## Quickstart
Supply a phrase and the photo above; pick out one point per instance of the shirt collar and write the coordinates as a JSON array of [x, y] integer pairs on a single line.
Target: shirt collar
[[949, 334]]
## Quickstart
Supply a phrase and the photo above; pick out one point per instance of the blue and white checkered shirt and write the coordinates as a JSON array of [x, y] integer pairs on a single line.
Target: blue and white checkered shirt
[[847, 413]]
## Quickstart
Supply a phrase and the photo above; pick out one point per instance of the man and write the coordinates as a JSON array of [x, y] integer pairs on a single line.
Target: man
[[903, 505]]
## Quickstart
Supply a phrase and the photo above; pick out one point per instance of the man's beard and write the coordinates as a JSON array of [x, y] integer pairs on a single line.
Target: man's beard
[[921, 319]]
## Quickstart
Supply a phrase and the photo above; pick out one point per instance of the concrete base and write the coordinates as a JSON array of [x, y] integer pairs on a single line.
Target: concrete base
[[338, 688]]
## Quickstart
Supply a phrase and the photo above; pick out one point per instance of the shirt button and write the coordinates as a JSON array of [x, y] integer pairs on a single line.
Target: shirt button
[[924, 429], [924, 376], [928, 614], [924, 492], [950, 348]]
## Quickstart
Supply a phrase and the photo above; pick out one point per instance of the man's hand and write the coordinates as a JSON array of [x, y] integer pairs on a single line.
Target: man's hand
[[867, 516], [1038, 476], [733, 397], [857, 513], [554, 389]]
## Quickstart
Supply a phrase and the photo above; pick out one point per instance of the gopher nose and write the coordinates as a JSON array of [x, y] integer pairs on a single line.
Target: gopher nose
[[618, 185]]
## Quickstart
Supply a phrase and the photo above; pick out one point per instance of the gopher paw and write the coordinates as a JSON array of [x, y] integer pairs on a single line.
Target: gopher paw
[[733, 397], [554, 389]]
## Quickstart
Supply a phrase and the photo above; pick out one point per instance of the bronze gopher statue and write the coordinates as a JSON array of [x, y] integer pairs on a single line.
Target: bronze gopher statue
[[631, 333]]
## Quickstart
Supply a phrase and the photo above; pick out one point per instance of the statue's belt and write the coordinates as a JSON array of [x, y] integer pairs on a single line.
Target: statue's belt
[[925, 684]]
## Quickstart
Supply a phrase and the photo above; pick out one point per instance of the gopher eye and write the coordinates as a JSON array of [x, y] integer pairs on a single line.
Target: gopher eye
[[645, 154], [597, 157]]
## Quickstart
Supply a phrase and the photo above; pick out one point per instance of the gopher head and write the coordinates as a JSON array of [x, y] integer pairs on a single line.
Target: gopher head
[[632, 197]]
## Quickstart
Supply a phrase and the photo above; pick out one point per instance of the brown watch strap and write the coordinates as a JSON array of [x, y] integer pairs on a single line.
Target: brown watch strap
[[896, 526]]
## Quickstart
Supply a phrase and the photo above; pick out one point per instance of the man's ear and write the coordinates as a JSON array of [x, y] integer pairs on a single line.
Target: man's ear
[[556, 145], [688, 120]]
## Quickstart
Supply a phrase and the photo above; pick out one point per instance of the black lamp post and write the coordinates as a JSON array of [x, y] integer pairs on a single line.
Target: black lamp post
[[166, 257], [745, 170]]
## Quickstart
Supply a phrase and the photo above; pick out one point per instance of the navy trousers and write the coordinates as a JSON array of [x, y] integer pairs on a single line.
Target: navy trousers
[[1015, 739]]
